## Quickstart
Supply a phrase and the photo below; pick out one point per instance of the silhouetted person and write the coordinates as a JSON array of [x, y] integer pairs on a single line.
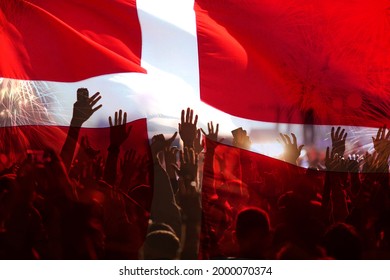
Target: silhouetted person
[[252, 233], [342, 242], [161, 245]]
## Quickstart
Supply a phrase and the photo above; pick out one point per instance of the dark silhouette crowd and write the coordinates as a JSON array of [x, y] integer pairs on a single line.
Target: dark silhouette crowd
[[201, 199]]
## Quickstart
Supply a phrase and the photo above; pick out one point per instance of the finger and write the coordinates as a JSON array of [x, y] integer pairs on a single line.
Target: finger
[[188, 115], [198, 134], [182, 116], [204, 133], [282, 137], [211, 127], [342, 133], [294, 138], [288, 139], [120, 117], [97, 108], [110, 120], [383, 132], [125, 118], [176, 168], [217, 129], [93, 97], [196, 119], [300, 148], [191, 116], [378, 133], [95, 101], [345, 136], [337, 132], [116, 118], [179, 127], [170, 140]]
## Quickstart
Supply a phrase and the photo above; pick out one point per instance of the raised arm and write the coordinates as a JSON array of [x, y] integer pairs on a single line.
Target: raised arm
[[83, 109], [118, 134], [338, 141], [190, 203], [164, 207], [187, 127]]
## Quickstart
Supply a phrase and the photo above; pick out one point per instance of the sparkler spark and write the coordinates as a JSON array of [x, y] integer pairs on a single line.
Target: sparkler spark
[[22, 104]]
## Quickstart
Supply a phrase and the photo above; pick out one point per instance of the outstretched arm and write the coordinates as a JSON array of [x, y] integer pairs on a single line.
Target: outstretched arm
[[118, 134], [164, 207], [83, 109], [189, 197]]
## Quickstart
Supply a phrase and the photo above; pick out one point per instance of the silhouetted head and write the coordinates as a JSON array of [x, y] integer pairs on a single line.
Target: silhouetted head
[[342, 242], [292, 251], [161, 245], [252, 232]]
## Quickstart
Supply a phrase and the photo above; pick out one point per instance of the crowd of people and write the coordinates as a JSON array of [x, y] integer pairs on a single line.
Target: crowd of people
[[204, 200]]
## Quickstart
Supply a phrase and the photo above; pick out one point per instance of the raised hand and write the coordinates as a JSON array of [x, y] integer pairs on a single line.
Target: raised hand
[[188, 165], [187, 127], [241, 139], [291, 149], [334, 162], [159, 144], [213, 134], [84, 108], [118, 131], [371, 163], [338, 141], [382, 143]]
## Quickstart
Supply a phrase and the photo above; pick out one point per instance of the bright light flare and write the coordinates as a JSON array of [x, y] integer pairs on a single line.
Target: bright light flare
[[24, 102], [271, 149]]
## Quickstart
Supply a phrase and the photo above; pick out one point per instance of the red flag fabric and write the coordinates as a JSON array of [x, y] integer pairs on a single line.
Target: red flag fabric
[[296, 61], [276, 61], [68, 41]]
